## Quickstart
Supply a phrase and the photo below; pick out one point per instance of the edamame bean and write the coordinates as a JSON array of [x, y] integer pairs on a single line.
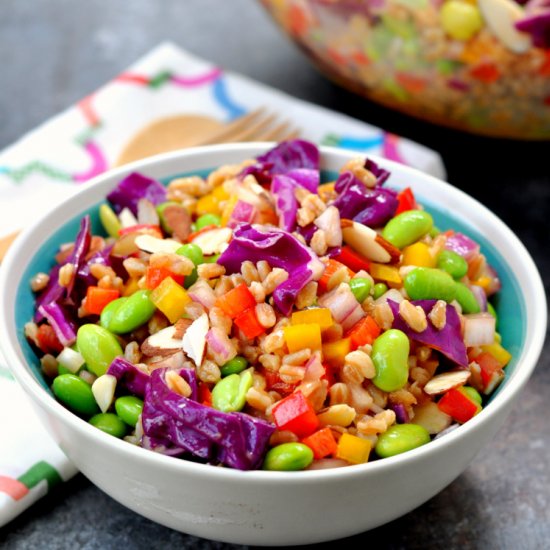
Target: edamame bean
[[288, 457], [136, 310], [109, 220], [360, 286], [428, 283], [401, 438], [379, 290], [206, 220], [234, 366], [194, 253], [229, 394], [473, 394], [390, 353], [465, 297], [75, 393], [98, 346], [434, 232], [451, 262], [160, 211], [406, 228], [211, 259], [109, 311], [128, 408], [110, 424], [492, 311]]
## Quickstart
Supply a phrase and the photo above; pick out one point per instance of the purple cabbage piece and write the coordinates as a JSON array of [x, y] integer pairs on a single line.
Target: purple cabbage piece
[[447, 341], [133, 379], [54, 292], [285, 157], [308, 178], [372, 207], [235, 439], [280, 249], [462, 245], [286, 204], [133, 188], [536, 22], [400, 411], [101, 257], [381, 173], [60, 320], [243, 212]]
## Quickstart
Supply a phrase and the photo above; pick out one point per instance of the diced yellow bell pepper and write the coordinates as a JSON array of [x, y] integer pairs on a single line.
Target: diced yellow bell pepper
[[170, 298], [483, 282], [299, 337], [220, 193], [335, 352], [130, 287], [326, 189], [319, 315], [208, 204], [228, 209], [384, 272], [418, 254], [353, 449], [498, 352]]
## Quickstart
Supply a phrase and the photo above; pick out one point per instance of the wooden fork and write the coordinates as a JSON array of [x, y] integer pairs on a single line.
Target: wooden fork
[[183, 131]]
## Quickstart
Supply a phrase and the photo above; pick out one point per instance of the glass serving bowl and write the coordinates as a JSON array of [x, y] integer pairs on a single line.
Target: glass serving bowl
[[459, 63]]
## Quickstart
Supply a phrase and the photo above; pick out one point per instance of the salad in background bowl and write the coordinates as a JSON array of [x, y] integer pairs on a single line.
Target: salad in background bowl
[[213, 408], [481, 66]]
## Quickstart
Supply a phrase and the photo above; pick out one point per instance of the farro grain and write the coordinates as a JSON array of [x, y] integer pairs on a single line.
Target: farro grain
[[219, 320], [258, 399], [274, 279], [282, 436], [376, 425], [413, 315], [210, 271], [339, 393], [65, 275], [362, 363], [208, 372], [318, 243], [337, 415], [297, 358], [132, 353], [292, 374], [49, 365], [31, 332], [270, 361], [379, 397], [39, 282], [177, 384], [266, 315], [383, 315], [307, 296], [249, 272], [263, 269], [438, 315]]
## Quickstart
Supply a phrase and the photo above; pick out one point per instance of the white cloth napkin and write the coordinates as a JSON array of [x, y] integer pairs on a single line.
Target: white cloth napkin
[[49, 163]]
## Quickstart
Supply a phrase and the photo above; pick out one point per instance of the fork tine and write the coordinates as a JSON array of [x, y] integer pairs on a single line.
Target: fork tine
[[234, 127], [251, 132], [277, 132]]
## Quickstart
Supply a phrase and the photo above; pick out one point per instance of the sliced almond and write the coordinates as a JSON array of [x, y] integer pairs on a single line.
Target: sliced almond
[[104, 391], [194, 339], [368, 242], [213, 241], [429, 416], [446, 381], [151, 244], [163, 342], [501, 17], [127, 218]]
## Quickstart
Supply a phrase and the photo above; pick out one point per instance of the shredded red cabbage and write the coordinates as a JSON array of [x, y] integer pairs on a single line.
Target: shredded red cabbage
[[133, 188], [235, 439], [61, 321], [448, 340], [134, 380]]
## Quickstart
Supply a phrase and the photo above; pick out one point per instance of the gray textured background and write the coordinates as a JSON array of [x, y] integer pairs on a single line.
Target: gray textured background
[[54, 52]]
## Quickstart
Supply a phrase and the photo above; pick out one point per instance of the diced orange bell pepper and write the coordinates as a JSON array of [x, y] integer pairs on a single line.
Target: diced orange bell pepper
[[97, 298], [353, 449], [170, 298], [295, 414], [365, 331], [331, 268], [418, 254], [318, 315], [457, 403], [248, 322], [335, 352], [502, 355], [156, 274], [205, 395], [406, 201], [228, 209], [207, 204], [491, 371], [299, 337], [321, 442], [48, 342], [388, 273], [352, 259], [236, 301]]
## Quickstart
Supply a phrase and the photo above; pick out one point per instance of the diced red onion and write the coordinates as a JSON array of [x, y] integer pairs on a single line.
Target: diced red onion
[[202, 293], [353, 317], [314, 368], [480, 296], [220, 344], [340, 301], [462, 245], [479, 329]]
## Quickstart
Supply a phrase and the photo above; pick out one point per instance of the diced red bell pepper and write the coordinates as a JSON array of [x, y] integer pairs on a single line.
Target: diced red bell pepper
[[322, 443], [491, 371], [331, 268], [365, 331], [236, 301], [273, 382], [145, 228], [406, 201], [156, 274], [97, 298], [48, 342], [329, 375], [249, 324], [295, 414], [204, 394], [457, 404], [352, 259]]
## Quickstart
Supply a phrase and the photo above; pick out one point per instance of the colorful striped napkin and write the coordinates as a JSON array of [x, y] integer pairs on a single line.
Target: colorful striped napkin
[[48, 164]]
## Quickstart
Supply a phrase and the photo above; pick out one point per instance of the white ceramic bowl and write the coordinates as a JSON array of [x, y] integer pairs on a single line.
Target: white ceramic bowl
[[275, 508]]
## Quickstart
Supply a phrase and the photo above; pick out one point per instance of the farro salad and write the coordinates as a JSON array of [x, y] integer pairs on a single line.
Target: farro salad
[[261, 318]]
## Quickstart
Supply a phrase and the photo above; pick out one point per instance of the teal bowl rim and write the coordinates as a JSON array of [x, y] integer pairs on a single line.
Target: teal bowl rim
[[529, 337]]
